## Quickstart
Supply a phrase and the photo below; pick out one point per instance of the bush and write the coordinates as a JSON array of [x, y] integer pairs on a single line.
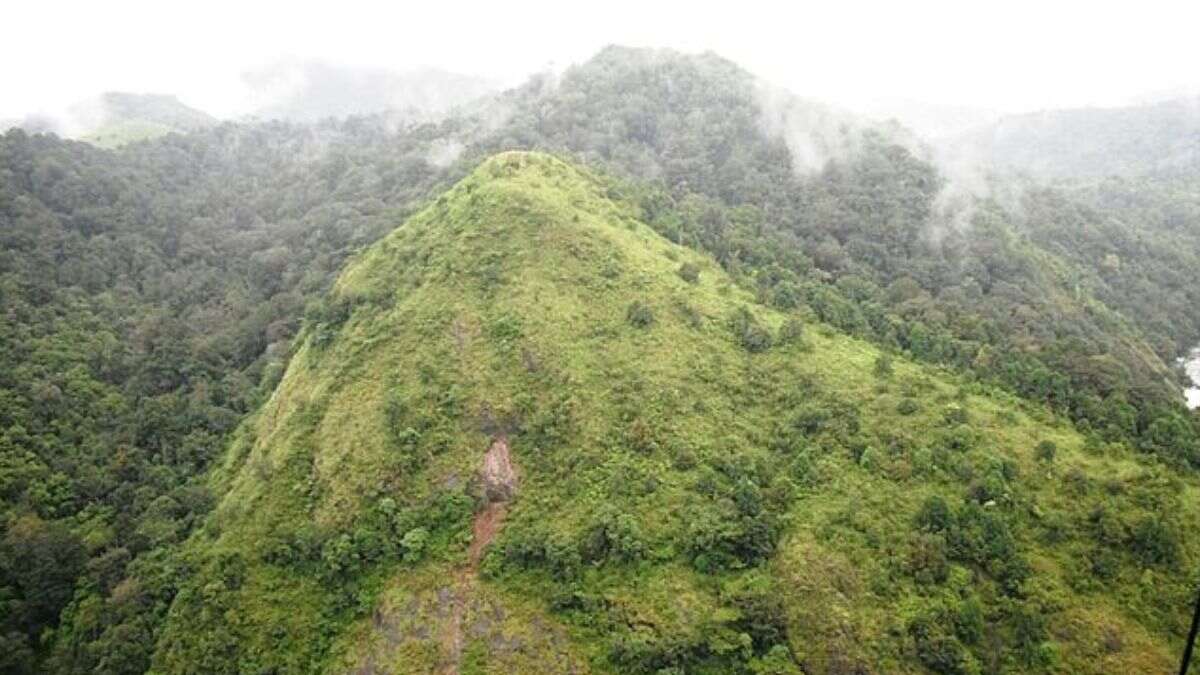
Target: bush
[[762, 614], [731, 538], [328, 311], [639, 314], [908, 406], [414, 543], [927, 560], [883, 366], [536, 547], [689, 272], [505, 329], [786, 295], [791, 332], [955, 414], [934, 515], [1153, 543], [982, 537], [937, 649], [614, 536], [1046, 451], [750, 334]]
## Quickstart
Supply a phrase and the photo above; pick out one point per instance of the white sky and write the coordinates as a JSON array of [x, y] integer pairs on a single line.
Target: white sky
[[1010, 55]]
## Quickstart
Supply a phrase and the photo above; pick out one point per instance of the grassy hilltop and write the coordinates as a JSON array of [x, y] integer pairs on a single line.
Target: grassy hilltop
[[700, 483]]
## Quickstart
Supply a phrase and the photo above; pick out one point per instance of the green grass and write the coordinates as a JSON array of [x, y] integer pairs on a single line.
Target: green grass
[[685, 501], [115, 135]]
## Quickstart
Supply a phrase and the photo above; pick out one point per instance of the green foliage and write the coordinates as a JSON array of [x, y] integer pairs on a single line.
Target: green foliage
[[938, 650], [791, 332], [750, 334], [614, 536], [1154, 543], [883, 368], [1046, 451], [182, 266], [689, 272], [639, 315]]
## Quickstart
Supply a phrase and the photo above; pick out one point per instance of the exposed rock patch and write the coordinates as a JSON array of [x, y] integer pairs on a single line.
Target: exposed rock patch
[[499, 480]]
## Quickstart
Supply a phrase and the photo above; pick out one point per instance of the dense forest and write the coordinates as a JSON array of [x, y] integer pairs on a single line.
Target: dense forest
[[155, 294]]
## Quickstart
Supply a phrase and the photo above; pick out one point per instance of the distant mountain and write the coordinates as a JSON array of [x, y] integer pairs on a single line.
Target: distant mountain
[[1089, 142], [695, 120], [312, 91], [116, 118]]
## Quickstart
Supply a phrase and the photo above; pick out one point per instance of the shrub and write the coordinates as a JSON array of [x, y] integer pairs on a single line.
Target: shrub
[[535, 547], [1046, 451], [791, 332], [937, 649], [731, 538], [1154, 543], [934, 515], [689, 272], [786, 295], [982, 537], [505, 328], [762, 614], [413, 543], [908, 406], [955, 414], [639, 314], [927, 560], [614, 536], [883, 366], [750, 334], [328, 310]]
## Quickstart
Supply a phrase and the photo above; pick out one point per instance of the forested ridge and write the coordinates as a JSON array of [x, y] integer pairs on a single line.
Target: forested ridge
[[151, 295]]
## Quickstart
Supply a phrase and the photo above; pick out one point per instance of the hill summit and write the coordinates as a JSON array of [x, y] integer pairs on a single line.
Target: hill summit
[[526, 433], [116, 118]]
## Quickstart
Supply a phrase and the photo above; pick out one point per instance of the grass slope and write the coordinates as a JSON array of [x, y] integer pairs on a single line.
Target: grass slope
[[706, 485], [116, 134]]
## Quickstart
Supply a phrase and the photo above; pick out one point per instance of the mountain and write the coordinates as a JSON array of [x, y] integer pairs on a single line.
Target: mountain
[[313, 91], [525, 432], [1162, 137], [116, 118], [690, 121], [153, 299], [790, 193], [113, 119]]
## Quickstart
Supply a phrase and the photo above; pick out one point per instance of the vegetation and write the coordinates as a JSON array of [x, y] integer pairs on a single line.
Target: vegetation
[[727, 447], [686, 502]]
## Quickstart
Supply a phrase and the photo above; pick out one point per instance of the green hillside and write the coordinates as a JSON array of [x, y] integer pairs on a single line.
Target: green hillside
[[698, 484], [116, 118], [1091, 143]]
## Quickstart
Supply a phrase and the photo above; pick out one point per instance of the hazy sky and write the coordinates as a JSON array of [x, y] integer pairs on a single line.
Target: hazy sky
[[1011, 55]]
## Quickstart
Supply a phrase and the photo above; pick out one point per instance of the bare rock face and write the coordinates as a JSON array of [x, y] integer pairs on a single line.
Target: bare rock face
[[499, 478]]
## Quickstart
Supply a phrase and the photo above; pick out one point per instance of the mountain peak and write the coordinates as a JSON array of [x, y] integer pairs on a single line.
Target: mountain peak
[[524, 417]]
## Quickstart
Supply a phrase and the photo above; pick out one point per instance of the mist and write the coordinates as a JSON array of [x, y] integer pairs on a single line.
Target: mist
[[226, 60]]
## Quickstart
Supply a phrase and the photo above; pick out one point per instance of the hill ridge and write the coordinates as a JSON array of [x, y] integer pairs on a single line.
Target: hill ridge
[[707, 484]]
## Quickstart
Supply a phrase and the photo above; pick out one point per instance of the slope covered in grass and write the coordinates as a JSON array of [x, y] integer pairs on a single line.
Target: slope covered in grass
[[115, 118], [701, 484]]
